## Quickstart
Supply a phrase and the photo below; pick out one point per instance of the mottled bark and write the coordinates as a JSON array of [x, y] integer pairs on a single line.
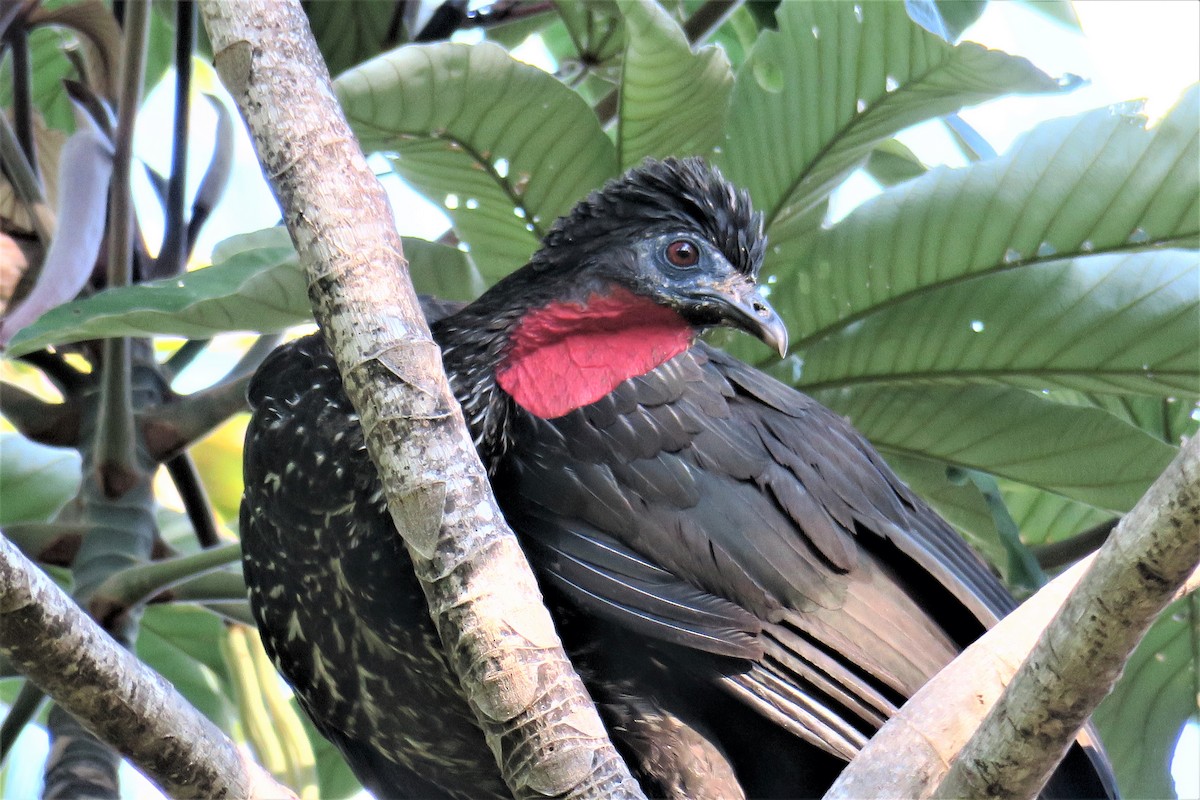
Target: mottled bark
[[541, 726], [48, 638], [1149, 561]]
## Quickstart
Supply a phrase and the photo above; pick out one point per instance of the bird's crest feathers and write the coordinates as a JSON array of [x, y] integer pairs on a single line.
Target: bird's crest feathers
[[668, 195]]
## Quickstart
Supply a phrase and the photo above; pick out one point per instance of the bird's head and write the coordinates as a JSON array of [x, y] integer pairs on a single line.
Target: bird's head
[[620, 285], [674, 232]]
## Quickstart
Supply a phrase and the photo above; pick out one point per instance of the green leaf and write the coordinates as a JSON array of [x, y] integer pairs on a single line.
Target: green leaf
[[673, 101], [1044, 517], [350, 33], [86, 27], [1065, 190], [336, 780], [835, 79], [594, 30], [892, 163], [1114, 323], [180, 642], [504, 146], [38, 480], [1010, 433], [1021, 570], [958, 15], [1141, 720], [442, 271], [255, 283]]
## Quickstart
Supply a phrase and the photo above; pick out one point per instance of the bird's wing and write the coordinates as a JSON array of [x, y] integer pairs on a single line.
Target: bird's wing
[[706, 505], [337, 604]]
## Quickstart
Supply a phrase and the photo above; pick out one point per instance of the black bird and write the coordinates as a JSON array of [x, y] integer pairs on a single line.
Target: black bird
[[745, 586]]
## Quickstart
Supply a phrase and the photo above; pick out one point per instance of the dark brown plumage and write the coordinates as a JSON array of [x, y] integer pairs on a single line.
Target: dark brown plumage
[[745, 586]]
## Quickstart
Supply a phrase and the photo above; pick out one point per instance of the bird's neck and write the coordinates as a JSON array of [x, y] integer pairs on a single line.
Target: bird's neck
[[553, 357], [565, 355]]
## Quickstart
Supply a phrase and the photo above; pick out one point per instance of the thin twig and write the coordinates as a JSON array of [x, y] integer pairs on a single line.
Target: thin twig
[[22, 83], [185, 476], [172, 256]]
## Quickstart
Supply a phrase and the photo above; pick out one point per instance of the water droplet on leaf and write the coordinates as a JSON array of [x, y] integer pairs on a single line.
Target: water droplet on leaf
[[768, 74]]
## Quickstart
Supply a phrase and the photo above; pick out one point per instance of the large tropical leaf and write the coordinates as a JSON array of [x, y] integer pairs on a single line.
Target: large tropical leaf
[[38, 480], [505, 147], [256, 288], [673, 101], [1128, 323], [180, 643], [1084, 453], [1097, 183], [350, 33], [815, 96], [1141, 720], [254, 284]]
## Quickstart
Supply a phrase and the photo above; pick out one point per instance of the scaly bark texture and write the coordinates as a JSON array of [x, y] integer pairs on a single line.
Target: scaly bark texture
[[50, 639], [912, 753], [541, 726]]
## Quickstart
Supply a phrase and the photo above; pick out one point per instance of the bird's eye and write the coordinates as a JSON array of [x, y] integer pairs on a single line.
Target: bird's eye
[[683, 253]]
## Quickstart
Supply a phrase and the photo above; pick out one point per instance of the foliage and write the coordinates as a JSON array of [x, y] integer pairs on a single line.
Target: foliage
[[1032, 317]]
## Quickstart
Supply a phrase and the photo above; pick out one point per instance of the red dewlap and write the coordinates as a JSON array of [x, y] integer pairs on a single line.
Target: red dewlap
[[567, 355]]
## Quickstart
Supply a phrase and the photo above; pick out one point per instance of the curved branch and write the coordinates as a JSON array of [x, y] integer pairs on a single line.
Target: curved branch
[[138, 583]]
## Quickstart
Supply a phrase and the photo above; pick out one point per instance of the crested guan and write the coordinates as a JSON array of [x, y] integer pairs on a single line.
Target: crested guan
[[746, 588]]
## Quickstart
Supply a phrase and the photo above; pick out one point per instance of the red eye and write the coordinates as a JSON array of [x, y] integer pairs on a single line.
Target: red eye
[[683, 253]]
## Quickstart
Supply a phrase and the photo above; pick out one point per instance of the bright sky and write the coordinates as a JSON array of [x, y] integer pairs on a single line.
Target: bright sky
[[1131, 50]]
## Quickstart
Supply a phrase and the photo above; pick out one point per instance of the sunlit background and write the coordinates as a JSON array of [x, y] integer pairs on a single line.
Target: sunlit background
[[1128, 51]]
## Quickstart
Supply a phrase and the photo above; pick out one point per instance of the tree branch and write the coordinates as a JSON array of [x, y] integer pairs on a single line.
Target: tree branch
[[1080, 655], [911, 753], [543, 730], [169, 429], [55, 424], [1068, 551], [114, 455], [49, 638]]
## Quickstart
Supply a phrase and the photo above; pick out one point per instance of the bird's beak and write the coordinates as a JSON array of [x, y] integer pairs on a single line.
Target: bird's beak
[[744, 307]]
